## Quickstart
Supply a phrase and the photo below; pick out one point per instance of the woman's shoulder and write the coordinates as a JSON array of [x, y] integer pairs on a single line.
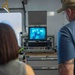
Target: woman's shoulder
[[28, 68]]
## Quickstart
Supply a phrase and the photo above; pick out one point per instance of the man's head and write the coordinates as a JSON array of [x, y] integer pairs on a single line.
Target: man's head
[[67, 4], [69, 7]]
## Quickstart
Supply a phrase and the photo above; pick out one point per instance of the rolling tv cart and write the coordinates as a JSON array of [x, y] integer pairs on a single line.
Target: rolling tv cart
[[41, 56]]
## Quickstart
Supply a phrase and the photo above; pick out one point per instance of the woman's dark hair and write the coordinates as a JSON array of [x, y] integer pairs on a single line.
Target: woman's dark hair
[[8, 44]]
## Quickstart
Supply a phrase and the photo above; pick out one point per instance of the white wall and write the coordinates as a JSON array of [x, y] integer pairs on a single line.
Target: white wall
[[54, 23]]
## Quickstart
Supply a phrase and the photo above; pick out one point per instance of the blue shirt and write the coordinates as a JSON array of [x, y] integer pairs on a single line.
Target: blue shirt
[[66, 43]]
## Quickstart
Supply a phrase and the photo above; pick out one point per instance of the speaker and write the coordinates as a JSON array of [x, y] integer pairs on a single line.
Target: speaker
[[25, 1]]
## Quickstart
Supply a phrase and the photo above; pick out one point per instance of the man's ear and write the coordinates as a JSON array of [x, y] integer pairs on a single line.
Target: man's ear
[[69, 12]]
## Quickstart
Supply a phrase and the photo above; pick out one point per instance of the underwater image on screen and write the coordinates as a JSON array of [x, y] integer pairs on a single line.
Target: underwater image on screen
[[37, 33]]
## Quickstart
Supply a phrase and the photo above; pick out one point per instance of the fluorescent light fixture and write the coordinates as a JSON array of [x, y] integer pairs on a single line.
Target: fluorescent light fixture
[[6, 9], [52, 13], [5, 6]]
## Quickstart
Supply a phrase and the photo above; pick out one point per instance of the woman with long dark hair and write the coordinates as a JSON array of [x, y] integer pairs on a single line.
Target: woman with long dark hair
[[9, 64]]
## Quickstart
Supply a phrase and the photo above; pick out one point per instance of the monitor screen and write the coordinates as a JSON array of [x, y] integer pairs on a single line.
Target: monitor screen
[[37, 33]]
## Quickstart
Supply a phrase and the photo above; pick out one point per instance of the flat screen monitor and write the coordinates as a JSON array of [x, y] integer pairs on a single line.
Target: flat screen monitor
[[37, 33]]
